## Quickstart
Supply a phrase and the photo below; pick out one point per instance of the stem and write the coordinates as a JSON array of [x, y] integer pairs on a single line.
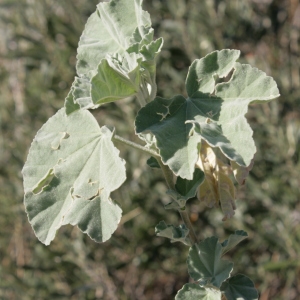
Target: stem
[[186, 220], [136, 146], [169, 176], [183, 212]]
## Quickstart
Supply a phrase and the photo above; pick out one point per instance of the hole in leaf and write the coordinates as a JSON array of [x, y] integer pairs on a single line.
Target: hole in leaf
[[44, 182]]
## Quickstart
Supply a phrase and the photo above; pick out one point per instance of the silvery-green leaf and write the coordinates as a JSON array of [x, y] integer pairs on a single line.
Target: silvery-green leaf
[[72, 161], [141, 36], [202, 71], [109, 30], [233, 240], [205, 264], [239, 287], [247, 85], [179, 124], [175, 234], [193, 291]]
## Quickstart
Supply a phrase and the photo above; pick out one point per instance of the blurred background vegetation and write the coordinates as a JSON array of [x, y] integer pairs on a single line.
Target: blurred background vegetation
[[38, 40]]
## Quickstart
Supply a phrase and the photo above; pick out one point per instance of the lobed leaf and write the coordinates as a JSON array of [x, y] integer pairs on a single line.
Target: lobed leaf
[[239, 287], [71, 169], [212, 112], [175, 234], [205, 264], [192, 291], [113, 28], [116, 57]]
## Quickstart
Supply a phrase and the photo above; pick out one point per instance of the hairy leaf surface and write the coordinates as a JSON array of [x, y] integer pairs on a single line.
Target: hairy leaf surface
[[72, 168], [192, 291], [110, 30], [116, 57], [212, 112]]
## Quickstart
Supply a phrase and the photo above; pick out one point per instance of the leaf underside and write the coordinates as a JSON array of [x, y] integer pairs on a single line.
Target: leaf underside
[[115, 57], [71, 169]]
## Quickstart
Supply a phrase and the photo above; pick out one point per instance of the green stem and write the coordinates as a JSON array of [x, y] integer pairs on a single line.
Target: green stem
[[168, 174], [136, 146]]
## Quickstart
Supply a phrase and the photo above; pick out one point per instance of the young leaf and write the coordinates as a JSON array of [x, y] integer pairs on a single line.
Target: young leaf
[[233, 240], [72, 161], [153, 163], [239, 287], [192, 291], [117, 78], [110, 30], [179, 124], [175, 234], [205, 264]]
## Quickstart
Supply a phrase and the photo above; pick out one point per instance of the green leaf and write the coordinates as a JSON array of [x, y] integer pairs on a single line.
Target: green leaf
[[205, 264], [117, 78], [193, 291], [153, 163], [233, 240], [72, 164], [166, 119], [215, 113], [185, 189], [188, 188], [175, 234], [239, 287], [110, 30]]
